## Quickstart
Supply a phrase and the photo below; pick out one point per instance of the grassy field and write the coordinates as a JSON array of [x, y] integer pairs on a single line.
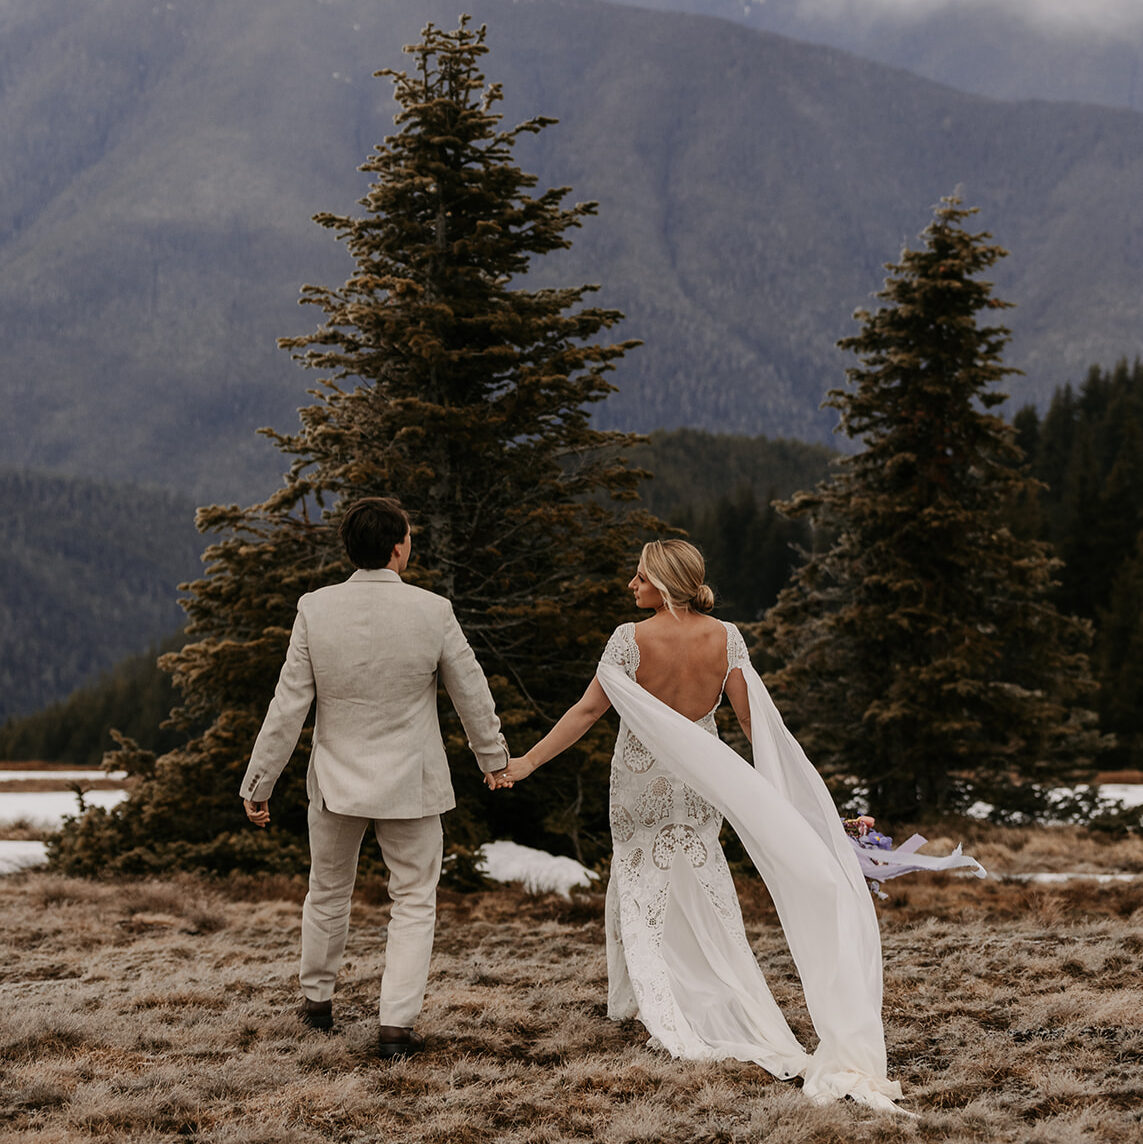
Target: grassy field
[[164, 1011]]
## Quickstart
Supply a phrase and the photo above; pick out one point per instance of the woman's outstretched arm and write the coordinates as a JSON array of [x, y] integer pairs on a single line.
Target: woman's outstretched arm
[[571, 727]]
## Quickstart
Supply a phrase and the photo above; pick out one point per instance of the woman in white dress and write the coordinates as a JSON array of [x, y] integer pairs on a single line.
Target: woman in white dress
[[677, 952]]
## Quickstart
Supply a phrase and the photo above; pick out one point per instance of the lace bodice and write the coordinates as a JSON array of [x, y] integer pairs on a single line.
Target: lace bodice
[[623, 651]]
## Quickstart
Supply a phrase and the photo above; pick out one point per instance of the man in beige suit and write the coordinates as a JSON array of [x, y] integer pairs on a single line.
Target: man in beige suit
[[370, 651]]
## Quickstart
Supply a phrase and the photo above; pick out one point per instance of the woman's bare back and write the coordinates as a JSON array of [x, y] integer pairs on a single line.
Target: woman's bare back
[[682, 661]]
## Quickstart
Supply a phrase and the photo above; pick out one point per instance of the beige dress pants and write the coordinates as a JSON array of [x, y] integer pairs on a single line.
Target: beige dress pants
[[411, 849]]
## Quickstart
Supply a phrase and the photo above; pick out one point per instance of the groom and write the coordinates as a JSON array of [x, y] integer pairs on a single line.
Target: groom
[[370, 650]]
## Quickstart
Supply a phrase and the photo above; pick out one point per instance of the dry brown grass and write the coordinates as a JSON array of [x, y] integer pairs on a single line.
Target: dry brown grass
[[23, 830], [34, 786], [163, 1011]]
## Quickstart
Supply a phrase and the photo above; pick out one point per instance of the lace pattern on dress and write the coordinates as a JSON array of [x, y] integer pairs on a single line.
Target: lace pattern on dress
[[622, 650], [736, 653], [657, 820]]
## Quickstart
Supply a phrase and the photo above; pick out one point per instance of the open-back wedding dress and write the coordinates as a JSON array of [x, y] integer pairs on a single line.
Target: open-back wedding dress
[[677, 952]]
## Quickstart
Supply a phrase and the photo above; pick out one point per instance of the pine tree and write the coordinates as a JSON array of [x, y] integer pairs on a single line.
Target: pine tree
[[923, 657], [446, 383]]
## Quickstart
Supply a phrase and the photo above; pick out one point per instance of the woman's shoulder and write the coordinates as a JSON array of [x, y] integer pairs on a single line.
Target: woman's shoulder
[[737, 654], [621, 645]]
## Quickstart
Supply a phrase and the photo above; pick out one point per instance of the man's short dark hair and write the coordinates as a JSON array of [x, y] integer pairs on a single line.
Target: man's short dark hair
[[371, 528]]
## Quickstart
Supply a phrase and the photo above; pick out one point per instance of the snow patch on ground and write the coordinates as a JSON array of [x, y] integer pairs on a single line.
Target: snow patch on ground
[[45, 809], [61, 776], [21, 856], [538, 871], [1130, 794]]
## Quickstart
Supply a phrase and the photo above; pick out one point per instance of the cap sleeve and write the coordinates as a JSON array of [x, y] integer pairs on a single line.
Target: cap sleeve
[[736, 653], [622, 650]]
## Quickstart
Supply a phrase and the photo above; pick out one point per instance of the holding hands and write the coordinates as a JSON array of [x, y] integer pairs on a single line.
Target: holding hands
[[569, 729], [508, 776]]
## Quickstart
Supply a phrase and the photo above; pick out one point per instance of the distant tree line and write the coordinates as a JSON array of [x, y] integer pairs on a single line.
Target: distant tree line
[[721, 490], [1087, 450], [133, 698]]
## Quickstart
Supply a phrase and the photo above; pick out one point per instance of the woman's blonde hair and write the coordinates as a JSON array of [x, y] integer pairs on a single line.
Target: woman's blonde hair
[[678, 570]]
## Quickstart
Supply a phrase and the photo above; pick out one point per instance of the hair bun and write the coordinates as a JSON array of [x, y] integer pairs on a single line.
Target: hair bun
[[704, 598]]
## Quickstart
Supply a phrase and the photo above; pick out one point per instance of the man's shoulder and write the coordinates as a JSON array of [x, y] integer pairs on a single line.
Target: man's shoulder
[[422, 596], [409, 595]]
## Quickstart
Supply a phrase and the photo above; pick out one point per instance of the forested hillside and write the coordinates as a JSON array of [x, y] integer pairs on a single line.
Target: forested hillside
[[720, 489], [159, 165], [118, 552], [134, 697], [88, 576]]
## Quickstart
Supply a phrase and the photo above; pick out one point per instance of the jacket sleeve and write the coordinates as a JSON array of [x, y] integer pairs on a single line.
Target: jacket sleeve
[[284, 718], [468, 690]]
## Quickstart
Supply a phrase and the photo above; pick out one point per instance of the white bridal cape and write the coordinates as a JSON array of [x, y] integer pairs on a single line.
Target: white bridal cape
[[677, 950]]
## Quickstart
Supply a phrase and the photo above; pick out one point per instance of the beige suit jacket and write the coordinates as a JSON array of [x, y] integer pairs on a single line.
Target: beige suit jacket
[[370, 651]]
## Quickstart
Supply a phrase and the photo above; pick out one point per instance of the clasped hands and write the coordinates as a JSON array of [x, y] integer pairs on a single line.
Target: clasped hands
[[507, 777]]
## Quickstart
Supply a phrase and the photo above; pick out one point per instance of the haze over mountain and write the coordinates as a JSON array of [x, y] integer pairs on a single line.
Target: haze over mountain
[[159, 164], [1085, 50]]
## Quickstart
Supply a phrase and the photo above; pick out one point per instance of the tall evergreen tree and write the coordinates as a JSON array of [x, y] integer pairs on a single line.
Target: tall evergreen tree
[[446, 383], [923, 657]]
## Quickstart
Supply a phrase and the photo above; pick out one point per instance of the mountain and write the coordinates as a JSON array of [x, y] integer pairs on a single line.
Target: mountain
[[1088, 52], [159, 164], [88, 576]]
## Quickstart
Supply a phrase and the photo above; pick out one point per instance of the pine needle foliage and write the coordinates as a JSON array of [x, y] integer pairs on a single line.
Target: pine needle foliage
[[1088, 452], [446, 383], [923, 657]]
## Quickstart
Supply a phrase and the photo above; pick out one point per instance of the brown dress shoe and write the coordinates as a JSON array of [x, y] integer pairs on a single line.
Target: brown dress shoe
[[317, 1014], [393, 1042]]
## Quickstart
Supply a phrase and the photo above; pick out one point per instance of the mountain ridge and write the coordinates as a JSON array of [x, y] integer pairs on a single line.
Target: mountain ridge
[[751, 189], [1003, 50]]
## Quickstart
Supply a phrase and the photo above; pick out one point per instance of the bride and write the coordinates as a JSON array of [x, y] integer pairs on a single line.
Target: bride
[[677, 953]]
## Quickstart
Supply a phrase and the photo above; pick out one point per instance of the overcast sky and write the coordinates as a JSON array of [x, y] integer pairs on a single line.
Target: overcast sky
[[1111, 15]]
